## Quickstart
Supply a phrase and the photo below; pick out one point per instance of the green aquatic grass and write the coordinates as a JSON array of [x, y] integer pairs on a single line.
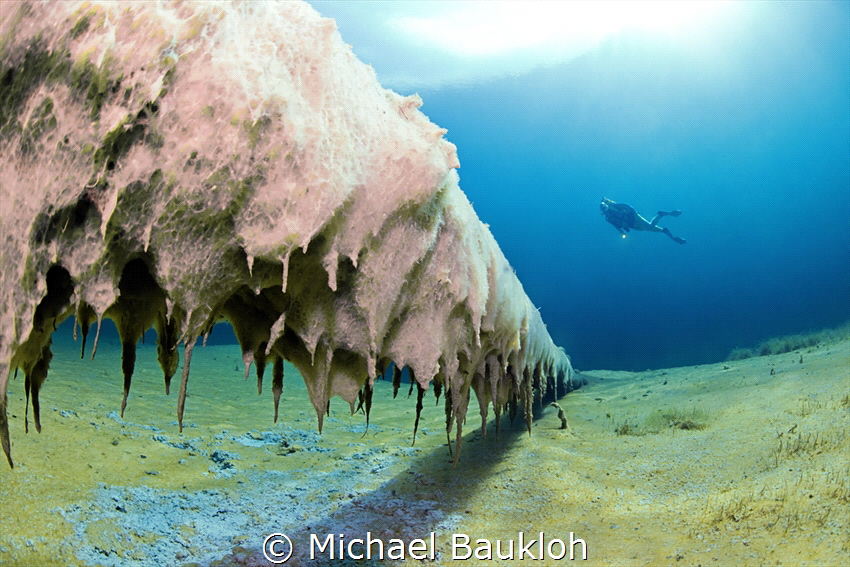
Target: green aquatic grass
[[662, 419], [790, 343], [677, 418]]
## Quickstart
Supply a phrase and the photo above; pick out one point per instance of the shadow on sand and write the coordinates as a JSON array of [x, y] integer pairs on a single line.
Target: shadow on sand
[[431, 495]]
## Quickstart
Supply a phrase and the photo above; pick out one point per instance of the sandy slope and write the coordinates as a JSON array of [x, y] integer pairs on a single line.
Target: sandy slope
[[764, 482]]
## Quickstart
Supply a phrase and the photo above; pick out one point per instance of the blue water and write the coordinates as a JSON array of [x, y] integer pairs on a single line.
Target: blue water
[[748, 135]]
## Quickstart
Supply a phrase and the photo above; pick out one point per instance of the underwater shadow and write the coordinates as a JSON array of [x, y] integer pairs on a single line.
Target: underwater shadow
[[431, 495]]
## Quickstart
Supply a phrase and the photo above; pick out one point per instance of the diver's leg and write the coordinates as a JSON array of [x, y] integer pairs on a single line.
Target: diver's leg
[[657, 218], [664, 214], [643, 224], [673, 238]]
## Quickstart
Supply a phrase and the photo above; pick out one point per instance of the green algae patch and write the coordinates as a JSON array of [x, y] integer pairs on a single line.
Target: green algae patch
[[41, 122], [256, 130], [95, 84], [36, 67], [82, 25], [117, 143], [17, 82]]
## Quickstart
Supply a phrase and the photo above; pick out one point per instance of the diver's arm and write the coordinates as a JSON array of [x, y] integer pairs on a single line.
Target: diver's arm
[[612, 220]]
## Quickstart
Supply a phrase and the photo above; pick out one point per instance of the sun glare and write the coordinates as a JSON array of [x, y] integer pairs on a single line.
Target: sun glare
[[500, 27]]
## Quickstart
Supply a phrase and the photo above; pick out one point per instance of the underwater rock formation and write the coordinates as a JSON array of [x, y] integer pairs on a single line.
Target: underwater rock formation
[[175, 165]]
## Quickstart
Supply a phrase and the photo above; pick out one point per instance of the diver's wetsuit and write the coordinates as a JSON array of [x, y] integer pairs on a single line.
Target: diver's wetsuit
[[622, 216]]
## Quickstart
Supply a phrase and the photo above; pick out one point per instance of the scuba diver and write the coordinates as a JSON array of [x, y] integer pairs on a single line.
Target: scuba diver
[[625, 218]]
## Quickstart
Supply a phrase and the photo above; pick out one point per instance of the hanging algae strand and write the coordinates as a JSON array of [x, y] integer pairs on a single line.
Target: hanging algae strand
[[162, 167]]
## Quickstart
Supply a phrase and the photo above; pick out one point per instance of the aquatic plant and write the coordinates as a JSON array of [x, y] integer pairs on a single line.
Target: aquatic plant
[[790, 343], [677, 418], [816, 498], [662, 419], [626, 428]]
